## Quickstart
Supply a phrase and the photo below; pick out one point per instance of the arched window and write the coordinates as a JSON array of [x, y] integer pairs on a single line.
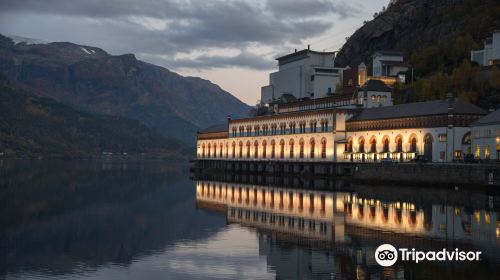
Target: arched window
[[349, 145], [209, 150], [467, 139], [273, 149], [386, 145], [312, 148], [373, 145], [227, 150], [477, 152], [301, 148], [323, 148], [264, 149], [241, 150], [282, 148], [361, 145], [292, 145], [487, 152], [256, 149], [221, 150], [234, 149], [399, 144], [203, 150], [248, 149], [413, 144]]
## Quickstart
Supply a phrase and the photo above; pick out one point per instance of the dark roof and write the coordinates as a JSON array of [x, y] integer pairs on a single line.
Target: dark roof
[[436, 107], [376, 85], [394, 63], [492, 118], [390, 53], [215, 128], [300, 53]]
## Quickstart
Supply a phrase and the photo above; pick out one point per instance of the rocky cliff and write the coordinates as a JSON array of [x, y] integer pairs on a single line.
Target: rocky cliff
[[412, 25]]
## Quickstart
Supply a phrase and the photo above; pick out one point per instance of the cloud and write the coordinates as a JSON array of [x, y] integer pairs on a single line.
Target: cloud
[[165, 28], [243, 59]]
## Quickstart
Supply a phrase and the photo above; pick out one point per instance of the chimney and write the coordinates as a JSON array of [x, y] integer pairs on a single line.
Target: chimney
[[308, 47], [295, 50]]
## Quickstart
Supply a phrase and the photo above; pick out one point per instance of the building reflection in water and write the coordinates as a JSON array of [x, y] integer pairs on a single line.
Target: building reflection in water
[[346, 226]]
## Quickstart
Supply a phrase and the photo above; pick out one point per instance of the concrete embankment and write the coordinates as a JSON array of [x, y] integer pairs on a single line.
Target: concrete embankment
[[450, 174]]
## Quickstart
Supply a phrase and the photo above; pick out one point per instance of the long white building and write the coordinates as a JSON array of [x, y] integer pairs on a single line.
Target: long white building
[[360, 127]]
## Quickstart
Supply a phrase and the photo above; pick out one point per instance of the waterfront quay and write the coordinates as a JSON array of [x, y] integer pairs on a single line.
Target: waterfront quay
[[442, 174]]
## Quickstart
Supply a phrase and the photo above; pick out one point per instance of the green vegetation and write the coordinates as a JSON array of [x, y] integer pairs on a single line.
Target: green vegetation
[[445, 67], [32, 126]]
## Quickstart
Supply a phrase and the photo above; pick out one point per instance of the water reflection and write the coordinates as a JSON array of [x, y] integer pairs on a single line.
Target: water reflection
[[148, 220], [339, 230]]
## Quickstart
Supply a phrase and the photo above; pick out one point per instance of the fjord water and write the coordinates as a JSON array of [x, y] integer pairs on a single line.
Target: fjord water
[[149, 220]]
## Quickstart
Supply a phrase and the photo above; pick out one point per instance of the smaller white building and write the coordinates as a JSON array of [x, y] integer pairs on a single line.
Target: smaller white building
[[374, 93], [490, 54], [486, 137], [304, 74], [389, 64]]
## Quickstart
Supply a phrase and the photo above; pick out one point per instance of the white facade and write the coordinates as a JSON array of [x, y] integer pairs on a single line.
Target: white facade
[[296, 137], [303, 74], [381, 69], [372, 99], [486, 142], [439, 144], [490, 53]]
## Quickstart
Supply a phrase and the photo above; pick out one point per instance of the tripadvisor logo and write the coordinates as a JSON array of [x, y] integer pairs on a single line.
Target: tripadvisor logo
[[387, 255]]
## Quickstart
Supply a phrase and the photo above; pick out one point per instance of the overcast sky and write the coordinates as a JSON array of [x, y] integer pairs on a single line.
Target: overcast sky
[[231, 43]]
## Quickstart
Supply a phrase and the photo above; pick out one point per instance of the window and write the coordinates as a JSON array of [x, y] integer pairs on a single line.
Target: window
[[386, 145], [399, 145], [477, 153], [282, 149], [457, 154], [323, 148], [487, 152], [291, 149], [312, 144], [442, 137], [256, 149], [273, 149], [264, 149], [301, 148], [241, 150], [413, 145], [361, 148], [442, 155], [373, 145], [248, 149]]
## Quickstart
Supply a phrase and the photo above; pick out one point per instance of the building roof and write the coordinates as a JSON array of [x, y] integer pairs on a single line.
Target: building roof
[[436, 107], [492, 118], [390, 53], [376, 85], [215, 128], [302, 53], [394, 63]]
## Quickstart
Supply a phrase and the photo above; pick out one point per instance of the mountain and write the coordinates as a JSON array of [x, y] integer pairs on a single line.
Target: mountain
[[414, 25], [33, 126], [90, 79], [436, 37]]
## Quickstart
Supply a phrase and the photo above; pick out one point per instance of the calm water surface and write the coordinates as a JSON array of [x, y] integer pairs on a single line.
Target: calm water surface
[[115, 220]]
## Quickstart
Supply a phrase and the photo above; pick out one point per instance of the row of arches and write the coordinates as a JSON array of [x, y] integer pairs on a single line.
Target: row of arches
[[372, 145], [265, 149]]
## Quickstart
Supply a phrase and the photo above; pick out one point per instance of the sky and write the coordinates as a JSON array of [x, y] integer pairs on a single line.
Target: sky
[[232, 43]]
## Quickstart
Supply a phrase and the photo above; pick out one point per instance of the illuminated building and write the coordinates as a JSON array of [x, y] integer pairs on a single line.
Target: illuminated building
[[363, 126]]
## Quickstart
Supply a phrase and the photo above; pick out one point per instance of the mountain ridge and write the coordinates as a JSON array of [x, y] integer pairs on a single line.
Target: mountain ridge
[[90, 79]]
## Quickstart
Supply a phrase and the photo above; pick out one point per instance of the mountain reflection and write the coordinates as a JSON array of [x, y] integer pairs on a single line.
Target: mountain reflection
[[148, 220], [345, 227]]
